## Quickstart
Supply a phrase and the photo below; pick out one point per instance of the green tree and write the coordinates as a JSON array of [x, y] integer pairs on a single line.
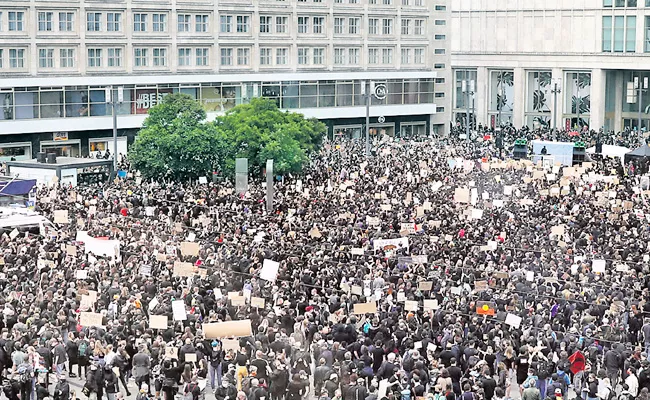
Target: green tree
[[176, 142], [260, 131]]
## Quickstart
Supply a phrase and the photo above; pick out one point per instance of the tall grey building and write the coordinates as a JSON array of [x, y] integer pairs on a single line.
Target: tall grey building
[[552, 63], [57, 57]]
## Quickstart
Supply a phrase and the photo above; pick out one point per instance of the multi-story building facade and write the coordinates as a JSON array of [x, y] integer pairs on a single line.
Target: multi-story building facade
[[57, 57], [551, 62]]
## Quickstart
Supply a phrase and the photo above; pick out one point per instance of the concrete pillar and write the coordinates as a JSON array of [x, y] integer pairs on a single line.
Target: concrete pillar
[[618, 100], [482, 95], [559, 121], [520, 98], [597, 113]]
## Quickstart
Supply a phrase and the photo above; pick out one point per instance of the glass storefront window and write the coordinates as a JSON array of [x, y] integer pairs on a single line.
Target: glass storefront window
[[326, 93], [271, 91], [309, 94], [539, 99], [62, 150], [395, 91], [348, 132], [629, 77], [76, 102], [7, 104], [461, 98], [384, 129], [577, 89], [15, 152], [411, 91], [426, 91], [126, 107], [412, 130], [502, 93], [231, 96], [51, 104], [98, 146], [358, 99], [189, 91], [344, 93], [98, 107], [539, 92], [26, 105], [212, 99], [290, 91]]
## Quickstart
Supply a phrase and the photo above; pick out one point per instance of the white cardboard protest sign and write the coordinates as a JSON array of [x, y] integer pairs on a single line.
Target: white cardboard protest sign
[[90, 319], [218, 330], [430, 304], [178, 309], [269, 270], [61, 217], [411, 305], [189, 249], [513, 320], [365, 308], [158, 322], [598, 266]]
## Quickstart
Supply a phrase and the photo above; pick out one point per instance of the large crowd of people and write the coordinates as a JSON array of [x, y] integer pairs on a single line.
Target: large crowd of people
[[431, 269]]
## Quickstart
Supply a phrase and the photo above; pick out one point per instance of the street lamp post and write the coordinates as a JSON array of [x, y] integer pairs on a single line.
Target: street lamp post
[[578, 99], [641, 87], [499, 98], [557, 84], [113, 101], [468, 89], [379, 91]]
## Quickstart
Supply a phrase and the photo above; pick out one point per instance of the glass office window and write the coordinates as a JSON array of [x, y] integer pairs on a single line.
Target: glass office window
[[619, 34], [344, 94], [51, 104], [630, 34], [607, 33]]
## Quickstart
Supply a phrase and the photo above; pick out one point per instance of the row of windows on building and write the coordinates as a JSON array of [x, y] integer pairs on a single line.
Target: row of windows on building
[[619, 34], [84, 101], [200, 57], [623, 3], [200, 23], [417, 3]]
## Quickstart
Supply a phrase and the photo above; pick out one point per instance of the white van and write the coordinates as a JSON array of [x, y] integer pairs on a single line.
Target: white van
[[24, 220]]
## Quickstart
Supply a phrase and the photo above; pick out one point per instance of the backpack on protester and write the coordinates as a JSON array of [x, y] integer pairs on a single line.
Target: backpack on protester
[[25, 373], [83, 348], [188, 391]]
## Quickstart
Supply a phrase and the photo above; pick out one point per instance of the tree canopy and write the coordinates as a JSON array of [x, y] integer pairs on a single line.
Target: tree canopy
[[177, 142]]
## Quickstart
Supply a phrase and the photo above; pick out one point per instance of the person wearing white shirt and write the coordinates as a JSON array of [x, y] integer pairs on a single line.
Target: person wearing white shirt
[[110, 355], [632, 382]]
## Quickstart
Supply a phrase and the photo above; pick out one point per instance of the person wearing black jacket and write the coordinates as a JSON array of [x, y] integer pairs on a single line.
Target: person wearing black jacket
[[73, 353], [296, 388], [95, 383], [110, 382], [171, 377], [62, 389], [225, 390], [41, 391], [279, 381], [257, 392]]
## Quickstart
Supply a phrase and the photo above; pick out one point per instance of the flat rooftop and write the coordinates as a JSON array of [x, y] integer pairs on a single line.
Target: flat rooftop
[[62, 162]]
